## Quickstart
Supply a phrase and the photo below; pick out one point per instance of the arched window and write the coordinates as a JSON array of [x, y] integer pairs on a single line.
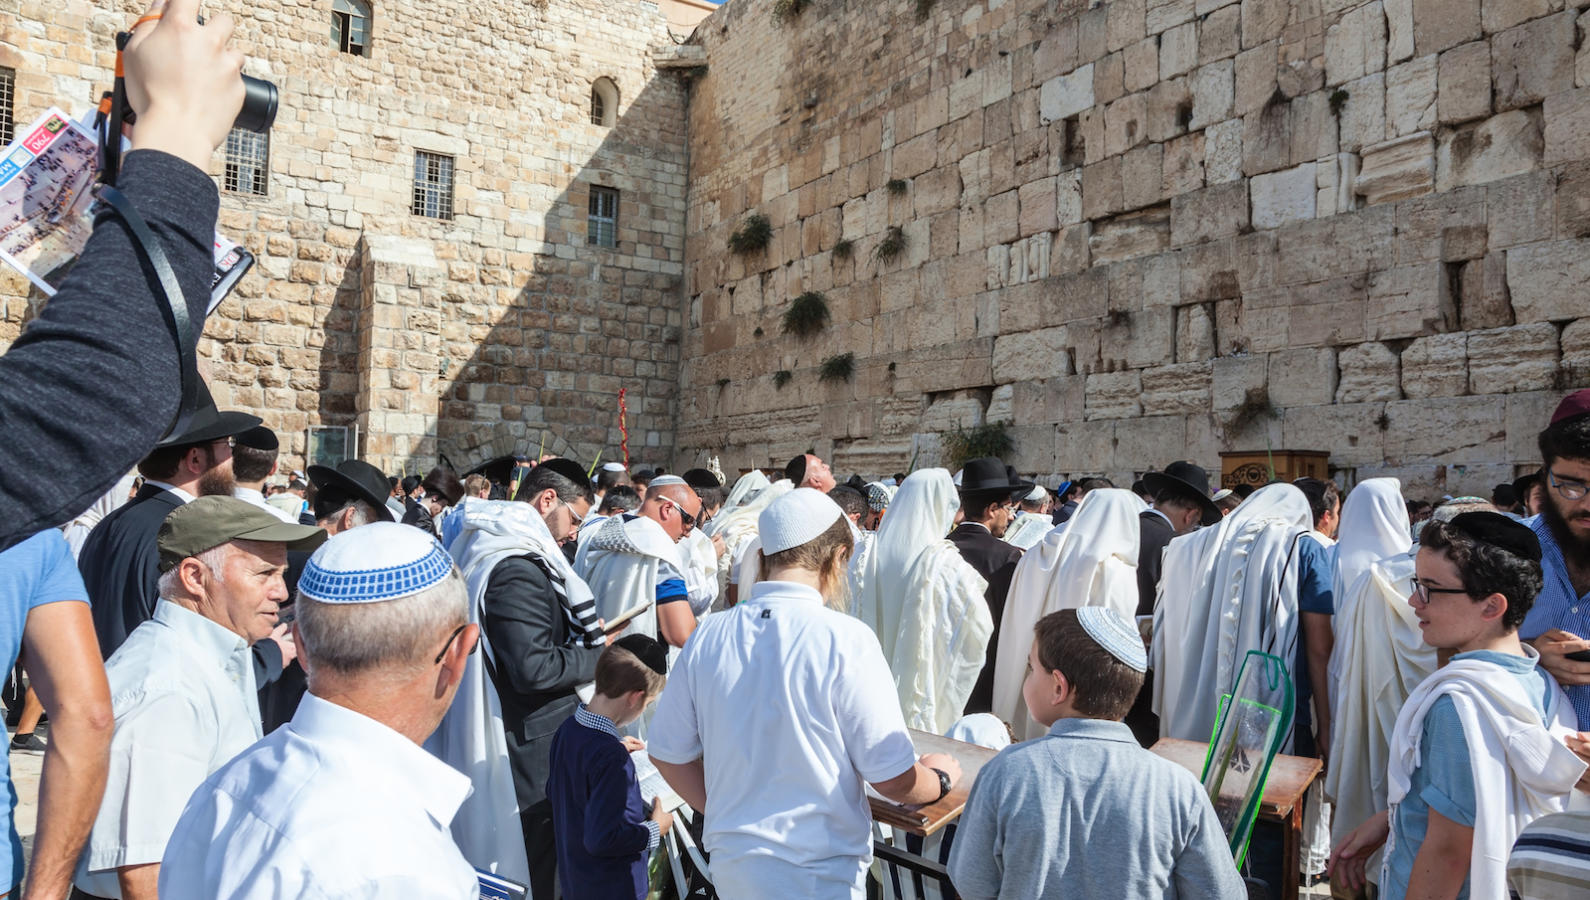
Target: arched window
[[350, 26], [604, 102]]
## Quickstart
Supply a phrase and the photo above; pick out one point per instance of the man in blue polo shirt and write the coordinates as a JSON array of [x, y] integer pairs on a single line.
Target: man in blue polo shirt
[[1559, 622]]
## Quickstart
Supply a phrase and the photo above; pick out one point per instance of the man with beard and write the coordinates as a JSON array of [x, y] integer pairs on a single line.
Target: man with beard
[[987, 499], [119, 562], [1559, 622]]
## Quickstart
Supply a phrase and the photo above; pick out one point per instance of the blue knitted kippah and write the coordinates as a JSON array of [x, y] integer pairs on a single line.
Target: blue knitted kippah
[[375, 562], [1115, 633]]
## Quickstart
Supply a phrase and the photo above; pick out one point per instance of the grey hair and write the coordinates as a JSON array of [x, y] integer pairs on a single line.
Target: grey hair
[[214, 559], [1457, 506], [351, 638], [363, 514]]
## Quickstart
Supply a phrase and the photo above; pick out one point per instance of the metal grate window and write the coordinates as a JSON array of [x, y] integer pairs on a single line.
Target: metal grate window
[[248, 156], [602, 230], [598, 108], [433, 185], [8, 87], [350, 26]]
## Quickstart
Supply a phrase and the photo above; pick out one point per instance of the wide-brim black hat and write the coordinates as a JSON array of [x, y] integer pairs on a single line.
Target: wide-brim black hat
[[1523, 483], [498, 470], [1187, 480], [210, 424], [989, 475], [356, 479]]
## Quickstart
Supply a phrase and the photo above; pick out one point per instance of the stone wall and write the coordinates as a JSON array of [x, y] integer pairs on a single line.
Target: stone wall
[[497, 331], [1143, 229]]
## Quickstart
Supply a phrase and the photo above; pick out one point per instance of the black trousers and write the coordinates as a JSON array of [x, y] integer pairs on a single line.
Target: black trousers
[[539, 849]]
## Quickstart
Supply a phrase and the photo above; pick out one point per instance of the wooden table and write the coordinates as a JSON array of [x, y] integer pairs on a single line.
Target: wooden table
[[1281, 802], [928, 818]]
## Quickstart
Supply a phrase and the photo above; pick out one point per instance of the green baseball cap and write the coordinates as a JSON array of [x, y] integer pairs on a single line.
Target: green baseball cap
[[209, 522]]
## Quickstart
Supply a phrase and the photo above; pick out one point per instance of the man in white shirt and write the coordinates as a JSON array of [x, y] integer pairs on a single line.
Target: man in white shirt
[[254, 461], [182, 684], [342, 802]]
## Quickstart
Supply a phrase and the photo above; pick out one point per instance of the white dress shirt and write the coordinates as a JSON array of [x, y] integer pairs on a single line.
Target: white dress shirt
[[255, 498], [334, 805], [791, 708], [182, 688], [181, 494]]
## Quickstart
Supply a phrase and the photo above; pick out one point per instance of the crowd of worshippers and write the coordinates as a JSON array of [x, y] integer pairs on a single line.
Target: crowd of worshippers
[[361, 686]]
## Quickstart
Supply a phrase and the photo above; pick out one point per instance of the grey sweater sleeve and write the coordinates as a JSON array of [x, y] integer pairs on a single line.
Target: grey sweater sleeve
[[93, 382]]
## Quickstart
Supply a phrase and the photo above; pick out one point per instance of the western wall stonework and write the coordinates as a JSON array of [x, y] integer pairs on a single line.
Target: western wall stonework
[[1142, 230], [497, 330]]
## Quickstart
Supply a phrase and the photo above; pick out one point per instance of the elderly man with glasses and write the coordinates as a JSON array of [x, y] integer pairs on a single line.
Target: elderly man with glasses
[[1559, 623], [634, 561]]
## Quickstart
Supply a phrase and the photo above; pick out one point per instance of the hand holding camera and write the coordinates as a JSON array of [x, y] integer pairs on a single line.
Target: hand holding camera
[[184, 81]]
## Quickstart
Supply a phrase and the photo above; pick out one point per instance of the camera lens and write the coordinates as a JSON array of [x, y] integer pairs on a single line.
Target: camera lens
[[259, 105]]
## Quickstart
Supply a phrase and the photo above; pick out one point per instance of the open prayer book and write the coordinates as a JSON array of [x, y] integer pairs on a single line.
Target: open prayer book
[[652, 784], [927, 818]]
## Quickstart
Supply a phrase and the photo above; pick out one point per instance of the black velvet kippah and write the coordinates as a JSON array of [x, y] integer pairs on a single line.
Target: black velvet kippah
[[795, 471], [1500, 531], [647, 650]]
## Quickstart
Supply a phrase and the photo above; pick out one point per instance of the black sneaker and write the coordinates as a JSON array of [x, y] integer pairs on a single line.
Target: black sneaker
[[31, 744]]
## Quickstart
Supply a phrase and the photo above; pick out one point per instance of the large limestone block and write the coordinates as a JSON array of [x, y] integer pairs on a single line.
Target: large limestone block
[[1448, 430], [1498, 15], [1576, 351], [1527, 414], [1168, 105], [1397, 169], [1500, 147], [1211, 213], [1436, 366], [1314, 128], [1213, 93], [1223, 152], [1164, 15], [1144, 443], [1056, 399], [1354, 433], [1521, 358], [1031, 355], [1195, 334], [1263, 20], [1143, 176], [1567, 126], [1363, 120], [1066, 95], [1124, 23], [1399, 30], [1533, 61], [1125, 124], [1141, 62], [1439, 24], [1411, 96], [1303, 377], [1101, 189], [1183, 165], [1084, 446], [1114, 395], [1410, 301], [1178, 50], [1547, 281], [1267, 139], [1256, 77], [1284, 196], [1220, 34], [1355, 45], [1463, 83], [1368, 371], [1521, 210], [1484, 302], [1176, 389], [1236, 380]]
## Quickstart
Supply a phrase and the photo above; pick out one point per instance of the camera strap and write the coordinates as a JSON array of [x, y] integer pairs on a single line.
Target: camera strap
[[173, 305]]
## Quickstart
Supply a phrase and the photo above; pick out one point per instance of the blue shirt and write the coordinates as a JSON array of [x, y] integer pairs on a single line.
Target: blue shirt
[[602, 830], [1444, 780], [37, 571], [1558, 606], [1315, 563]]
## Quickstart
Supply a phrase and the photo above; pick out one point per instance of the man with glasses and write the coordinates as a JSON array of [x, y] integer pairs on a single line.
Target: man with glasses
[[1559, 623], [343, 801], [634, 561], [182, 684], [988, 498]]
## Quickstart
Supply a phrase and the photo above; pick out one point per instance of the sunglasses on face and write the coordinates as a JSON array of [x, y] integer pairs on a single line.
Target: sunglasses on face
[[684, 516]]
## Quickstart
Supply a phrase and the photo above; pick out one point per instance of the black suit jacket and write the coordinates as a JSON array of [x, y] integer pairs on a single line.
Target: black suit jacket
[[120, 564], [1154, 534], [995, 560], [534, 668]]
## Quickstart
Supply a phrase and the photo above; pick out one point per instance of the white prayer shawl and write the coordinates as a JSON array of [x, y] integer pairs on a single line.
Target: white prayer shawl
[[700, 571], [925, 603], [1522, 768], [620, 563], [736, 522], [1374, 527], [1226, 589], [76, 531], [1386, 660], [1028, 529], [1091, 563], [471, 738]]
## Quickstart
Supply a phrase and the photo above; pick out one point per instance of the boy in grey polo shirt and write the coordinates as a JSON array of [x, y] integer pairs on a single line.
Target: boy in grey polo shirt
[[1084, 811]]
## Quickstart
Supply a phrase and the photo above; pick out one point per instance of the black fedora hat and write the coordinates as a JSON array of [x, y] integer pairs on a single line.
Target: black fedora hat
[[1187, 480], [701, 478], [351, 479], [989, 475], [210, 424]]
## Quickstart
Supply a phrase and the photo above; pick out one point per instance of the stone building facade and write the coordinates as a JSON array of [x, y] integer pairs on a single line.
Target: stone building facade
[[495, 330], [1135, 229], [1137, 226]]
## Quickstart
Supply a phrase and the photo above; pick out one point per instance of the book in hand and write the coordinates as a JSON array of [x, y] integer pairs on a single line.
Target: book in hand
[[623, 618], [652, 784]]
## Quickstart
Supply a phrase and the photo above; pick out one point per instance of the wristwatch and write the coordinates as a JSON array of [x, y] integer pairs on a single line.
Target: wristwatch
[[944, 784]]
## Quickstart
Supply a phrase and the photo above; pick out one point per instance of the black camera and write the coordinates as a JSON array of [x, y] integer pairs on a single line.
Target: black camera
[[259, 105]]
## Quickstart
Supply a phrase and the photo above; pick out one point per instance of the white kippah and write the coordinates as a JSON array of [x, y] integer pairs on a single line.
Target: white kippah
[[957, 478], [375, 562], [1116, 634], [796, 518], [613, 467], [1036, 495], [666, 480]]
